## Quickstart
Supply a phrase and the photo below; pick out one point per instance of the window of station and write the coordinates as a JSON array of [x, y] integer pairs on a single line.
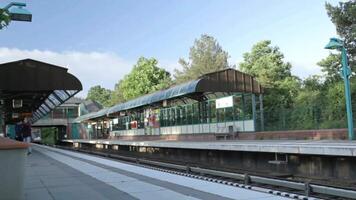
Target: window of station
[[195, 113], [220, 114], [189, 114], [58, 113], [247, 106], [238, 107], [212, 111], [72, 112], [183, 115], [204, 112]]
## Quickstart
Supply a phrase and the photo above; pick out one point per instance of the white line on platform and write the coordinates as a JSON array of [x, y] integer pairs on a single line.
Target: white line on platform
[[201, 185], [134, 187]]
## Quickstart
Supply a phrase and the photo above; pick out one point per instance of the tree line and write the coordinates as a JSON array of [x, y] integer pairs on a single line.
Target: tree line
[[289, 101]]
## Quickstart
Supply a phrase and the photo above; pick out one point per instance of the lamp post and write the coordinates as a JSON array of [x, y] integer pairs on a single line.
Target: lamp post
[[338, 44], [15, 11]]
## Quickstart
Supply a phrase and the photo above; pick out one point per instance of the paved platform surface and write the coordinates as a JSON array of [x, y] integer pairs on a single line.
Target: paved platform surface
[[59, 174], [312, 147]]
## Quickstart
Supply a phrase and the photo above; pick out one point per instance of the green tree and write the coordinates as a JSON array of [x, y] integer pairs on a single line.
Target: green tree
[[145, 77], [306, 112], [4, 19], [206, 55], [331, 67], [313, 83], [334, 110], [265, 62], [100, 94], [344, 18], [116, 95]]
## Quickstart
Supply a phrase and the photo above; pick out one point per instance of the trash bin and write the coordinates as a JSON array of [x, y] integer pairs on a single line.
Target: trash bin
[[13, 155]]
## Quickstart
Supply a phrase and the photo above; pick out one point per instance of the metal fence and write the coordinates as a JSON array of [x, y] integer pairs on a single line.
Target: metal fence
[[302, 118]]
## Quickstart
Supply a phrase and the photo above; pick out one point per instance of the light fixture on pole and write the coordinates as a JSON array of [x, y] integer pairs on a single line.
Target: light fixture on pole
[[17, 12], [338, 44]]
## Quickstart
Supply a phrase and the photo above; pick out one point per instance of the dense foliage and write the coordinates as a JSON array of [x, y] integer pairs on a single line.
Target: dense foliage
[[344, 18], [145, 77], [100, 94], [4, 19], [205, 56]]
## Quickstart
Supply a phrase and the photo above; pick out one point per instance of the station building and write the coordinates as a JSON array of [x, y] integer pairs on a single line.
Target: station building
[[225, 101]]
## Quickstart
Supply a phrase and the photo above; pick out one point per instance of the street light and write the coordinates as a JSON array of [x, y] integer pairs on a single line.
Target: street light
[[338, 44], [17, 13]]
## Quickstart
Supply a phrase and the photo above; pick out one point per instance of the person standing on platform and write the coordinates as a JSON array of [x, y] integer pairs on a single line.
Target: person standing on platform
[[18, 131], [26, 132]]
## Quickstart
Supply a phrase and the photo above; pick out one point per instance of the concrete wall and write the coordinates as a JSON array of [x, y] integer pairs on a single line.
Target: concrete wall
[[326, 134], [338, 171]]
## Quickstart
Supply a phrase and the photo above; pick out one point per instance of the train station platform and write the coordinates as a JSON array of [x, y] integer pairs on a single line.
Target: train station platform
[[303, 147], [60, 174]]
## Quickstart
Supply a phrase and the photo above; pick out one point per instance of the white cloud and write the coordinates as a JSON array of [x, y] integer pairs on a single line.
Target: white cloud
[[92, 68], [169, 65], [305, 69]]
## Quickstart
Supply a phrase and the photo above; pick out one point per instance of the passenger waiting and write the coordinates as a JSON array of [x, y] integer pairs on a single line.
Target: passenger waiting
[[26, 132]]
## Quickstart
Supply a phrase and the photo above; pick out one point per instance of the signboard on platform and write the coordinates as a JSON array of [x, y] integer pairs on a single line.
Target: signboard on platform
[[225, 102]]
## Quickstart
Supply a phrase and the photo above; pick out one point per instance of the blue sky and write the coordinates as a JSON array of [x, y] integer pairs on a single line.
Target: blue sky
[[99, 41]]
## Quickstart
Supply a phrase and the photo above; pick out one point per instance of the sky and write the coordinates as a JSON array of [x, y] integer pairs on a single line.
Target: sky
[[100, 40]]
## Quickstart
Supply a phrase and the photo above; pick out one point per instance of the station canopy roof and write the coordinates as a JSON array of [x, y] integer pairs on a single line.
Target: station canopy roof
[[92, 115], [228, 80], [30, 88]]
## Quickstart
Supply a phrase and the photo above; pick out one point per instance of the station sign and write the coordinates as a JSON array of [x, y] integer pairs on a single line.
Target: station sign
[[225, 102]]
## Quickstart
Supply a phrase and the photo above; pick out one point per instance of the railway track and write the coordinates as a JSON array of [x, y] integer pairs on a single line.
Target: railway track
[[277, 186]]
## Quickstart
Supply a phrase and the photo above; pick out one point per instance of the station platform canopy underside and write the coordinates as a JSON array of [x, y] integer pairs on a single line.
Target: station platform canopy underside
[[30, 88], [227, 81]]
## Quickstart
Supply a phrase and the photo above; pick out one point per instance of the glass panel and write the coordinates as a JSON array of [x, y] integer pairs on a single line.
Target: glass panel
[[247, 106], [175, 117], [50, 104], [184, 115], [229, 114], [238, 108], [221, 114], [58, 113], [179, 115], [71, 92], [189, 114], [72, 113], [38, 114], [43, 112], [54, 99], [45, 108], [196, 113], [213, 118], [204, 112], [169, 115], [61, 94]]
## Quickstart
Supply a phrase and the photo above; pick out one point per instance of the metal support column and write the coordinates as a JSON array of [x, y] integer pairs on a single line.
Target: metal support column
[[262, 121], [253, 101]]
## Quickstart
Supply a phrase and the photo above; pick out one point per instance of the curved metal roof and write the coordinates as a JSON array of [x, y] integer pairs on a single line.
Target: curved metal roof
[[92, 115], [176, 91], [40, 86]]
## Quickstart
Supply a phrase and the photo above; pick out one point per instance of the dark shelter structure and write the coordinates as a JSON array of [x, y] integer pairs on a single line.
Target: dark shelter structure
[[30, 88]]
